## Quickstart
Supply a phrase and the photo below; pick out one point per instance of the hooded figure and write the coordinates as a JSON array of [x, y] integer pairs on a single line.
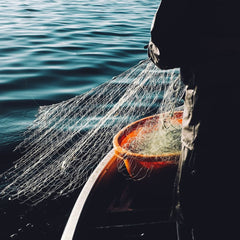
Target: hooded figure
[[202, 38]]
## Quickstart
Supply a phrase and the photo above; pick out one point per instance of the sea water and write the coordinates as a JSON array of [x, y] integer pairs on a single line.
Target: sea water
[[50, 52]]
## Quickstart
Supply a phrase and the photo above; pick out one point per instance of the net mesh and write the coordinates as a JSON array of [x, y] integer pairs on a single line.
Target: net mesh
[[164, 139], [68, 139]]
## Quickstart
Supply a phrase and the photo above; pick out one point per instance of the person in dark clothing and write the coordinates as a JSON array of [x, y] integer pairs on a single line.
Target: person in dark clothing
[[202, 38]]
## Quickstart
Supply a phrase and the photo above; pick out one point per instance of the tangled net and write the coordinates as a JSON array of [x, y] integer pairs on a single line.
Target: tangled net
[[68, 139], [164, 139]]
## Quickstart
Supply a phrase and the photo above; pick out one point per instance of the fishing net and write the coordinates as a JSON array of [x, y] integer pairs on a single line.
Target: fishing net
[[68, 139], [162, 140]]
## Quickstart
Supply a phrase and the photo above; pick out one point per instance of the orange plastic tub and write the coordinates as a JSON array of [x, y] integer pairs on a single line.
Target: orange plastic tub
[[139, 165]]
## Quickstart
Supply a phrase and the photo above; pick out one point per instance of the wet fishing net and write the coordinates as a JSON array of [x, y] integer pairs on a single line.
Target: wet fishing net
[[67, 140]]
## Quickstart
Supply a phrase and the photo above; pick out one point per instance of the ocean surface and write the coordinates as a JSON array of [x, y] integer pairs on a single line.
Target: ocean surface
[[50, 51]]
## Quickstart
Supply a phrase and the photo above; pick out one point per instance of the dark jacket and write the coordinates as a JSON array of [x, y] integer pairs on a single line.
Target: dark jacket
[[187, 32]]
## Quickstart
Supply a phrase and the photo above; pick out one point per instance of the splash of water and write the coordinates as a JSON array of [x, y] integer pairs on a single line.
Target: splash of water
[[67, 140]]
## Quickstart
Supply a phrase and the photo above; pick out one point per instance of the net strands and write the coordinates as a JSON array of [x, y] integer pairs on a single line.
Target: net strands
[[68, 139], [156, 140]]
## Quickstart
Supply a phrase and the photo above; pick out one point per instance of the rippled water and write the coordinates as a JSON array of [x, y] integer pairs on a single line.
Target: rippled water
[[53, 50]]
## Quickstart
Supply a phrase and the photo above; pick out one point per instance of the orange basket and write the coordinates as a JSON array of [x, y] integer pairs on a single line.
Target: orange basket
[[137, 164]]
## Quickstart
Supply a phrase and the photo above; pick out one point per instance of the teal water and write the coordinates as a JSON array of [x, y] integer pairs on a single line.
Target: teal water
[[54, 50], [50, 51]]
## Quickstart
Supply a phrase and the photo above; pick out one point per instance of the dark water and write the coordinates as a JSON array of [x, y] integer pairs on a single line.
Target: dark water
[[51, 51]]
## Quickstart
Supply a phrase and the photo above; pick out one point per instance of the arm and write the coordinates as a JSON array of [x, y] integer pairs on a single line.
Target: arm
[[192, 32], [168, 33]]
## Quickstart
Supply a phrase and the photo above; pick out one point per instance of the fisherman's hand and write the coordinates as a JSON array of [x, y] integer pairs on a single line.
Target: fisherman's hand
[[153, 53]]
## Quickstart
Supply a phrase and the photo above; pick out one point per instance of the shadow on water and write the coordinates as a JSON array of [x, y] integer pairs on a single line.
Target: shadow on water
[[21, 221], [44, 221]]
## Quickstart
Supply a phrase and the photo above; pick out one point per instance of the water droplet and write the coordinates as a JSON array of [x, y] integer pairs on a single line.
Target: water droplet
[[13, 236], [28, 225]]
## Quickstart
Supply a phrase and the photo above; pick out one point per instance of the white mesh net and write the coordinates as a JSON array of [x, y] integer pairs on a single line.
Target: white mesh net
[[67, 140], [165, 139]]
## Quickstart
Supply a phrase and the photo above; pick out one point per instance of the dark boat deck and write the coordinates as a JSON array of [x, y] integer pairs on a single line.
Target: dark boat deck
[[116, 207]]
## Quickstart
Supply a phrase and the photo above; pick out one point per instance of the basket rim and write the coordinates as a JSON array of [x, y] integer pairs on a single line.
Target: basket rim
[[120, 151]]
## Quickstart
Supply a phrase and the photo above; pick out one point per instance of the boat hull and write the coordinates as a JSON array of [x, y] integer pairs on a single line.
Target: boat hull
[[112, 205]]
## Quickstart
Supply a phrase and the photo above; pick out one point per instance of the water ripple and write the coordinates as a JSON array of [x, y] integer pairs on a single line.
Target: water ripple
[[53, 50]]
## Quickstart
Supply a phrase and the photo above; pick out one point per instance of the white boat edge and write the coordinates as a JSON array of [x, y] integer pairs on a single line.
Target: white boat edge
[[70, 227]]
